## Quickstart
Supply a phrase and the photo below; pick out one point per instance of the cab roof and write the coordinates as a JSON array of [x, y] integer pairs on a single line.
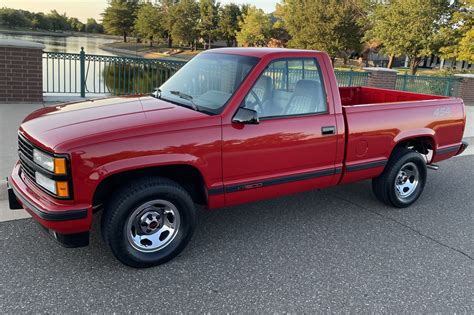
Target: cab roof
[[256, 52]]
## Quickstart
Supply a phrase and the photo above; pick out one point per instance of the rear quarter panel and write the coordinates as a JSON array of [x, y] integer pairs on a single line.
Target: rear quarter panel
[[374, 130]]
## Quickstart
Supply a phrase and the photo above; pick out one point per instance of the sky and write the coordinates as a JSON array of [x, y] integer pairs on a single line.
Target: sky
[[82, 9]]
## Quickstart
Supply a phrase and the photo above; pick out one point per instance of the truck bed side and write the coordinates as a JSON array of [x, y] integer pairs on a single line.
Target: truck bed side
[[374, 130]]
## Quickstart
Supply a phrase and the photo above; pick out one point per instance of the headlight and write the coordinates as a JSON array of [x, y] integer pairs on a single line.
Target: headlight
[[45, 182], [59, 188], [50, 163], [43, 160]]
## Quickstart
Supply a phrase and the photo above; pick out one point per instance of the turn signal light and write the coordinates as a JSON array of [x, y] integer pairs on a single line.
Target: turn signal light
[[60, 166], [62, 189]]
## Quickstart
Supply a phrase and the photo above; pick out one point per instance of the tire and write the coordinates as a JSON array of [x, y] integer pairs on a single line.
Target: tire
[[402, 180], [148, 222]]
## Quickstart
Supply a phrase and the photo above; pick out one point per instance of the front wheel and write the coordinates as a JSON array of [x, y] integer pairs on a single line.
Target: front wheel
[[403, 179], [148, 222]]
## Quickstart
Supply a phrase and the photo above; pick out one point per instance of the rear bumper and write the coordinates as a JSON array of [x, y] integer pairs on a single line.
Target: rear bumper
[[463, 147], [447, 152], [67, 223]]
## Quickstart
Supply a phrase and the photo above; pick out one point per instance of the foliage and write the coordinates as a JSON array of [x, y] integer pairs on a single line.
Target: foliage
[[76, 25], [52, 21], [119, 17], [148, 22], [254, 28], [13, 18], [209, 20], [458, 34], [58, 22], [168, 8], [229, 17], [328, 25], [279, 34], [40, 21], [93, 27], [186, 27], [409, 27]]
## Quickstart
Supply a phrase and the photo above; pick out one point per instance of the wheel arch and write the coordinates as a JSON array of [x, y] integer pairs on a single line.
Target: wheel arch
[[420, 140], [186, 175]]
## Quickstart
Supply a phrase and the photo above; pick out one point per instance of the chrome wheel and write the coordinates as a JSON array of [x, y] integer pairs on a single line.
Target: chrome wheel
[[153, 225], [407, 180]]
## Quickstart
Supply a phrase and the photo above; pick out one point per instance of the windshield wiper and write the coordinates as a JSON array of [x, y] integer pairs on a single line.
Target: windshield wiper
[[186, 97]]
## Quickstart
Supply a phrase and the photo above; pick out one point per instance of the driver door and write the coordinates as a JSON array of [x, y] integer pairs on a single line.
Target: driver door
[[290, 149]]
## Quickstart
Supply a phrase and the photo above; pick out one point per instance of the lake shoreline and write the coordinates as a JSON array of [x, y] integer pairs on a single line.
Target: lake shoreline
[[57, 34], [142, 51]]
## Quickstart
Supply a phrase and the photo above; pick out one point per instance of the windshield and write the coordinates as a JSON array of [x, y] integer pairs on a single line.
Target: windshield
[[208, 81]]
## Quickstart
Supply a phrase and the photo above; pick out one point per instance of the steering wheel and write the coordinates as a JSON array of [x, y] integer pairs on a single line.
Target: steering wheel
[[257, 104]]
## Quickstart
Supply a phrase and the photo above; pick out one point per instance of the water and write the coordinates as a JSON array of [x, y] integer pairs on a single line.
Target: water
[[70, 44], [62, 76], [103, 75]]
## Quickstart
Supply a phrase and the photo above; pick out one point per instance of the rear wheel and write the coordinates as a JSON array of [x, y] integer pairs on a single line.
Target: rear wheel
[[148, 222], [403, 179]]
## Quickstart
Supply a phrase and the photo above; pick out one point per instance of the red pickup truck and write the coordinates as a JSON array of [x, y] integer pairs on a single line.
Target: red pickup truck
[[232, 126]]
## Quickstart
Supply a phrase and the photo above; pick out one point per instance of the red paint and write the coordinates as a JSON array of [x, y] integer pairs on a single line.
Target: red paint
[[108, 136]]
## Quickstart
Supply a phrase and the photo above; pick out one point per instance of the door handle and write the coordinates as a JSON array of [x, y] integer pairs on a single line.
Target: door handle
[[328, 130]]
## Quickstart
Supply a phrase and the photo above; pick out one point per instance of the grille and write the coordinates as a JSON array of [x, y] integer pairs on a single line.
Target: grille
[[25, 152]]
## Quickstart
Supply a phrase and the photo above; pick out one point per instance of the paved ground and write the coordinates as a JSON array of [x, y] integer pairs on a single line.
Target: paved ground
[[336, 250]]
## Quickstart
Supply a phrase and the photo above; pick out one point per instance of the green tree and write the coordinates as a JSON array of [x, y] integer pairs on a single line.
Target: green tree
[[148, 22], [41, 21], [76, 25], [255, 28], [209, 20], [409, 27], [92, 26], [58, 22], [168, 8], [458, 35], [13, 18], [185, 28], [327, 25], [230, 15], [119, 17]]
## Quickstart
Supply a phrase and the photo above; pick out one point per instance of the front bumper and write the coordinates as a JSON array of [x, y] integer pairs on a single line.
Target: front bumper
[[67, 222]]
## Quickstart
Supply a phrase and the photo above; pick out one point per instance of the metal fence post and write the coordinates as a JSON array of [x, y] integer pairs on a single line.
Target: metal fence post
[[405, 78], [447, 92], [82, 62]]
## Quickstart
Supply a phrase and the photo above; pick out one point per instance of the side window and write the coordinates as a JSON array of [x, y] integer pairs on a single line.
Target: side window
[[288, 87]]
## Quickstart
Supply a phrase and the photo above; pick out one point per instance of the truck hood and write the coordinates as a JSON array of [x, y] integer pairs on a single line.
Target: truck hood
[[51, 127]]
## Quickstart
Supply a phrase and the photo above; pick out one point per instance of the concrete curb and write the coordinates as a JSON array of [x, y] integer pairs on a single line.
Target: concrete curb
[[3, 189]]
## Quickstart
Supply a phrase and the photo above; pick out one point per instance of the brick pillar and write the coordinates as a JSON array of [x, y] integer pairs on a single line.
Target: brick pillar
[[21, 71], [466, 88], [382, 78]]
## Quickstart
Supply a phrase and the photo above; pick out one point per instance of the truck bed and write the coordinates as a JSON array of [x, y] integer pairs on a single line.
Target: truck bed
[[359, 95], [376, 120]]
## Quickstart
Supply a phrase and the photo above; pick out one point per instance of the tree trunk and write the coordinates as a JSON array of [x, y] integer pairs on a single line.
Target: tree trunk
[[390, 61], [151, 41], [170, 41], [209, 46], [414, 65], [333, 60], [124, 37]]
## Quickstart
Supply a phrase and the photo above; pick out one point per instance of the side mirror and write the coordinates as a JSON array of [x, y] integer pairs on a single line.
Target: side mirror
[[246, 116]]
